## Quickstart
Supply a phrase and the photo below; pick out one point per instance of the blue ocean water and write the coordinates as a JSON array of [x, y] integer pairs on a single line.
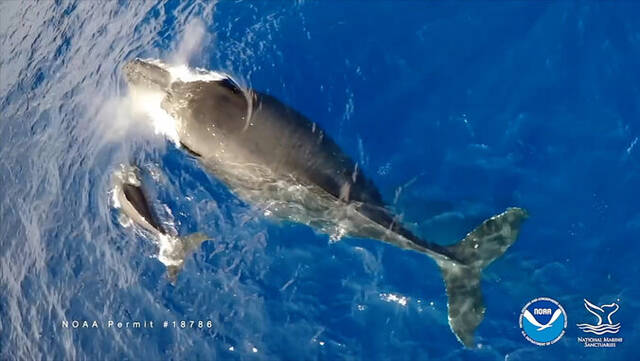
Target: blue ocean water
[[456, 110]]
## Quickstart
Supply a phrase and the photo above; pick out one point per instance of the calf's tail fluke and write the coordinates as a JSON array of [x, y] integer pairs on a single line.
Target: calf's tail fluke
[[175, 256], [469, 258]]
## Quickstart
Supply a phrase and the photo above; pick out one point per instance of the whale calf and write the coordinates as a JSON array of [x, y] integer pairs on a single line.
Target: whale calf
[[275, 158], [132, 201]]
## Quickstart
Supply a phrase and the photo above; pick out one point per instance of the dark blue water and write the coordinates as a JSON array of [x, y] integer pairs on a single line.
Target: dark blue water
[[455, 110]]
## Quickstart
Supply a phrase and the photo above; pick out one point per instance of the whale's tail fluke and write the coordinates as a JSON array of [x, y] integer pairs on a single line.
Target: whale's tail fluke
[[184, 247], [462, 273]]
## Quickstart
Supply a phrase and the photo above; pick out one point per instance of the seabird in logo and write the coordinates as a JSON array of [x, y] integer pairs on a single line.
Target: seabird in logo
[[543, 321], [603, 313]]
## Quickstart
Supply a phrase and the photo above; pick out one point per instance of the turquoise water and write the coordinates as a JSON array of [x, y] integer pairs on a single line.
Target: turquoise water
[[455, 110]]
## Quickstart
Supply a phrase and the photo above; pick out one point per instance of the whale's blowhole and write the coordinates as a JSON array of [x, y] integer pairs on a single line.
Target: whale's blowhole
[[146, 98]]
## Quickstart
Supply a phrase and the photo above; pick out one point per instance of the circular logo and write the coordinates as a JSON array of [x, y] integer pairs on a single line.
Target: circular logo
[[543, 321]]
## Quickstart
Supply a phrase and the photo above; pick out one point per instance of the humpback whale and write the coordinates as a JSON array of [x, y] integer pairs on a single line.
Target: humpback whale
[[273, 157], [131, 199]]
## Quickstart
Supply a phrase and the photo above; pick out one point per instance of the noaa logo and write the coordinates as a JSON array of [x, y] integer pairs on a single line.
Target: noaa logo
[[543, 321]]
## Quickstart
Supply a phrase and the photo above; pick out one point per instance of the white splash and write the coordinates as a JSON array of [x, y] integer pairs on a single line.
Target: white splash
[[114, 197], [633, 144], [191, 39], [124, 220], [171, 251], [390, 297], [186, 74], [182, 72], [126, 174], [147, 103]]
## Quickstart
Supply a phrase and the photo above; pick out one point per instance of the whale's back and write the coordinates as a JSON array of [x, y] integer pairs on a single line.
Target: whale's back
[[218, 117]]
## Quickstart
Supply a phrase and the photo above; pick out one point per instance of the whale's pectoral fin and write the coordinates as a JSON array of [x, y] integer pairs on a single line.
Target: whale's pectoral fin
[[462, 273]]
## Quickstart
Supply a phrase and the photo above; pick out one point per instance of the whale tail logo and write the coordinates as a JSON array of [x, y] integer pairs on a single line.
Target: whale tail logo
[[469, 258], [603, 314]]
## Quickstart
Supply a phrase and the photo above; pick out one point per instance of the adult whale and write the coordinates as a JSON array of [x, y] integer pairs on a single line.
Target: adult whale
[[273, 157]]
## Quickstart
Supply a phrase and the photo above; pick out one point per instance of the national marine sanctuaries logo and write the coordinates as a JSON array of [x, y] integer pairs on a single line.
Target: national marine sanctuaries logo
[[604, 325], [543, 321], [602, 313]]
